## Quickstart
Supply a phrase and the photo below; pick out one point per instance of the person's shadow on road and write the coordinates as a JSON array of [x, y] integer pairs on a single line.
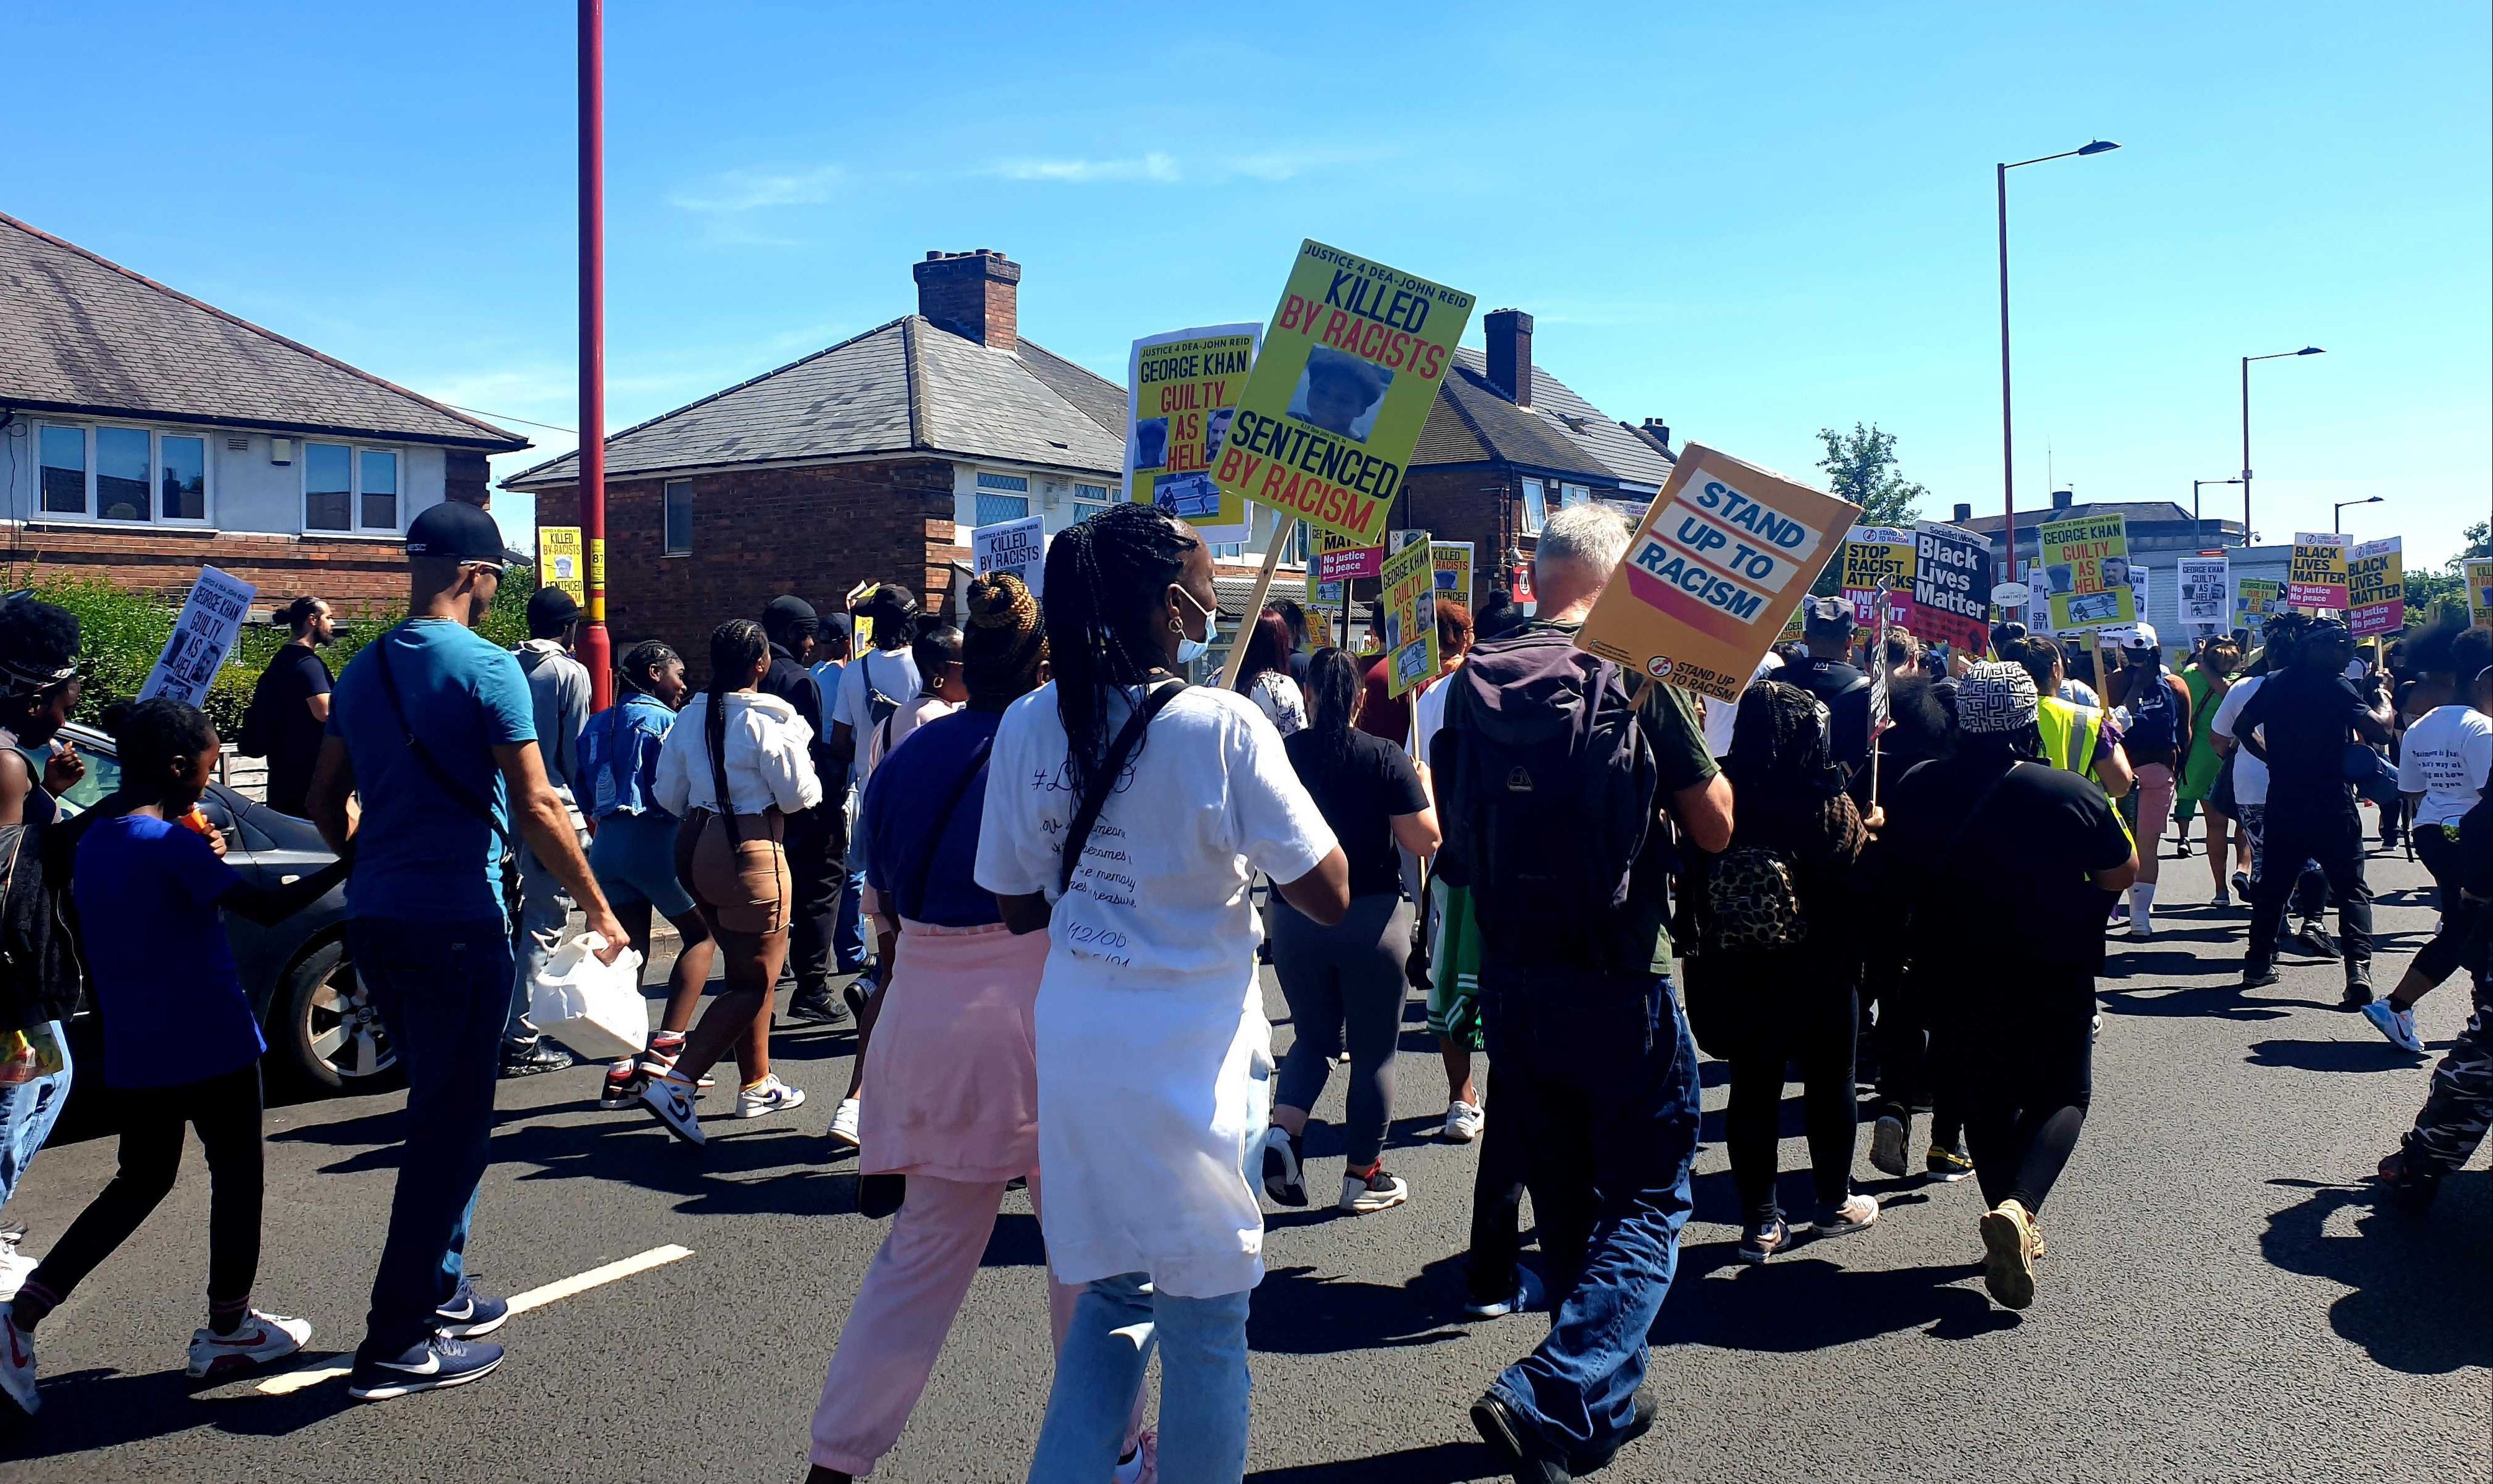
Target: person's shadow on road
[[1801, 1302], [2372, 1054], [2419, 1299], [103, 1409]]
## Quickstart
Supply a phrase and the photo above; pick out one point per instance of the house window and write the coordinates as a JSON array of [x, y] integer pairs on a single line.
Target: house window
[[1572, 496], [62, 455], [341, 484], [1088, 500], [1535, 508], [1228, 550], [132, 474], [1003, 497], [679, 517]]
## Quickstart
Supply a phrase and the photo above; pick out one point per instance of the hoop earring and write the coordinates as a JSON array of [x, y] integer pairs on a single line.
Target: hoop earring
[[1176, 628]]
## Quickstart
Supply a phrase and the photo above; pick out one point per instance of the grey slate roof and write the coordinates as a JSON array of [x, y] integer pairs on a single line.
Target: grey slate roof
[[1560, 433], [901, 387], [79, 334], [2159, 512]]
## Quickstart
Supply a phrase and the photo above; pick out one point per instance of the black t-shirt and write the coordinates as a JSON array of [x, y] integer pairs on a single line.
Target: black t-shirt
[[282, 698], [1847, 693], [2003, 890], [2306, 718], [1372, 783]]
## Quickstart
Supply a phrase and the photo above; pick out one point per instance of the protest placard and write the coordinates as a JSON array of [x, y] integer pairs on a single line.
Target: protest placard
[[1453, 564], [1185, 386], [2038, 599], [2376, 587], [2087, 563], [202, 638], [558, 563], [1018, 547], [2315, 576], [2199, 594], [1340, 558], [1951, 587], [1724, 553], [1410, 604], [2255, 599], [1349, 367], [1876, 554], [2479, 590]]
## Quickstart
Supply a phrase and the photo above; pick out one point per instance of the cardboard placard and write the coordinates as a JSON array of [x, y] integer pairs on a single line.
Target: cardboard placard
[[1951, 587], [1340, 558], [2376, 587], [1349, 367], [558, 561], [1018, 547], [1875, 556], [1724, 555], [2255, 599], [2316, 576], [201, 638], [1452, 564], [2086, 561], [1184, 387], [1410, 604], [2200, 598]]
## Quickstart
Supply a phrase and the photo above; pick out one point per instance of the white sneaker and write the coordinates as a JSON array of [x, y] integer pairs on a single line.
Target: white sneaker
[[676, 1103], [767, 1096], [1857, 1213], [844, 1124], [260, 1339], [1463, 1121], [1375, 1192], [16, 1268], [2140, 926], [2397, 1025], [17, 1364]]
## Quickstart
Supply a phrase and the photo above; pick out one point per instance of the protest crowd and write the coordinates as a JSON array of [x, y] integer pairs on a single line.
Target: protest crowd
[[1040, 871]]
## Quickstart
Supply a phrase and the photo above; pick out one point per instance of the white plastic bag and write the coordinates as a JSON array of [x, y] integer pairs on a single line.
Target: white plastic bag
[[594, 1008]]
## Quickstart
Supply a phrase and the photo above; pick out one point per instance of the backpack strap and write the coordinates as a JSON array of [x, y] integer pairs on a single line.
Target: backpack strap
[[459, 793], [912, 898], [1104, 781]]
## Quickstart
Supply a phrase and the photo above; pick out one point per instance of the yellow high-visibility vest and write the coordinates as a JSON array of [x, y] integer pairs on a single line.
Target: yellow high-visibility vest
[[2069, 733]]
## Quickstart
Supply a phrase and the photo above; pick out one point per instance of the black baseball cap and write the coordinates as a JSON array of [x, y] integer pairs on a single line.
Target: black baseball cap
[[454, 531], [1827, 616], [550, 608]]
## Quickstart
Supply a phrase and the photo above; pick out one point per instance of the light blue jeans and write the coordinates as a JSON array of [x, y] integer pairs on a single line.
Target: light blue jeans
[[1100, 1371], [28, 1112]]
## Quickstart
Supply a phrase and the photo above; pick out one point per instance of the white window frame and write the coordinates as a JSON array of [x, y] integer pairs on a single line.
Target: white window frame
[[1090, 500], [1572, 496], [1536, 507], [666, 517], [93, 515], [356, 453]]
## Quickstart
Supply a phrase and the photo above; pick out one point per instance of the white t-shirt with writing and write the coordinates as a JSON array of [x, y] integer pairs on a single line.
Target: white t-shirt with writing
[[2445, 758], [1155, 1058], [2250, 774]]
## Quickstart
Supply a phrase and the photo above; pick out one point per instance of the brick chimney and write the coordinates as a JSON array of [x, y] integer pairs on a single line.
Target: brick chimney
[[1964, 513], [975, 295], [2061, 498], [1658, 430], [1510, 354]]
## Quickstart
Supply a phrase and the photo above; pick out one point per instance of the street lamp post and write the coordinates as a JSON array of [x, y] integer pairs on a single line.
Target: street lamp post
[[594, 648], [2338, 511], [2007, 421], [2307, 350], [2198, 527]]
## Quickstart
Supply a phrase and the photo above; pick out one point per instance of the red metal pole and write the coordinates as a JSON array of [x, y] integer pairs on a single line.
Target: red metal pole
[[2007, 452], [594, 650]]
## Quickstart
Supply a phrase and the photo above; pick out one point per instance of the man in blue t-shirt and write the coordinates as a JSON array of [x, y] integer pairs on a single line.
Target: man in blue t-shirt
[[434, 728]]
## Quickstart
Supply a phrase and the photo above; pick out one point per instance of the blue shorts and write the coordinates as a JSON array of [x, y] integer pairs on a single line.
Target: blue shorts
[[634, 860]]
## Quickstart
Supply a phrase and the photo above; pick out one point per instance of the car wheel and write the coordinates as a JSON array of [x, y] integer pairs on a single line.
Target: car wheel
[[330, 1027]]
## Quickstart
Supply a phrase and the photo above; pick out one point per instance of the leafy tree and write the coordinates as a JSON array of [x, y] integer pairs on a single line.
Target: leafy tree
[[1861, 467], [2427, 592]]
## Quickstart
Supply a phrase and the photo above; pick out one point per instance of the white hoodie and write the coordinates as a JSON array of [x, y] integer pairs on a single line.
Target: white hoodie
[[767, 764]]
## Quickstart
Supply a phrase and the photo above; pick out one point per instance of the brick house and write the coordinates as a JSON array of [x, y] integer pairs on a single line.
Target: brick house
[[144, 433], [1507, 442]]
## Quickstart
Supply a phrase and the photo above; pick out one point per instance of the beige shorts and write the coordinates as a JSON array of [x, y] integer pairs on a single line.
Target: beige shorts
[[741, 886]]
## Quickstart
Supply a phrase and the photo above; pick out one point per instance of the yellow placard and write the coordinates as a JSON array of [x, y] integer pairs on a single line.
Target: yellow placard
[[1349, 370], [1451, 563], [1410, 601], [558, 561], [2376, 587], [1723, 556], [2086, 561], [2315, 577], [2479, 590], [1184, 389], [2255, 599]]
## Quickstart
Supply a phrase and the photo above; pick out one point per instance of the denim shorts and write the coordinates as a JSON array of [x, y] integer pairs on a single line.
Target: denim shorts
[[634, 860]]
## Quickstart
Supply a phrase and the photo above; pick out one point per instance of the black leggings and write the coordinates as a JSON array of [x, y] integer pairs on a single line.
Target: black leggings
[[225, 1110], [1907, 1084], [1820, 1035], [2027, 1085], [2454, 945]]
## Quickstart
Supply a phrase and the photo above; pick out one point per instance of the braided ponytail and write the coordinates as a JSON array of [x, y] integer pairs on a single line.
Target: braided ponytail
[[1105, 581], [735, 647]]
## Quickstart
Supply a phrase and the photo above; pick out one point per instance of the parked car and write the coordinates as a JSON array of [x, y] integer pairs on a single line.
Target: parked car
[[321, 1028]]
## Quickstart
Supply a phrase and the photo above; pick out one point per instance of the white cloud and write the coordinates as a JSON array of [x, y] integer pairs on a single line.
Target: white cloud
[[757, 189], [1153, 166], [1280, 164]]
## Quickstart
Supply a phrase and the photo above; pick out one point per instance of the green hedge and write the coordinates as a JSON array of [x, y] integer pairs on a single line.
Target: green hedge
[[124, 631]]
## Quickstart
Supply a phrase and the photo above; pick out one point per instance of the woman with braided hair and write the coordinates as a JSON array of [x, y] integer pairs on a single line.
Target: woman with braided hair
[[1126, 814]]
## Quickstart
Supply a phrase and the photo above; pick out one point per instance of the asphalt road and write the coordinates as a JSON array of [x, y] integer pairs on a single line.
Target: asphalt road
[[2224, 1300]]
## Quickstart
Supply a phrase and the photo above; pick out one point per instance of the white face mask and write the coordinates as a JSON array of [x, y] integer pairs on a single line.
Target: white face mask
[[1190, 650]]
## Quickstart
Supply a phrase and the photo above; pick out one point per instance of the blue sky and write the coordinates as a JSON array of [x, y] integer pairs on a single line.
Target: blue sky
[[1750, 221]]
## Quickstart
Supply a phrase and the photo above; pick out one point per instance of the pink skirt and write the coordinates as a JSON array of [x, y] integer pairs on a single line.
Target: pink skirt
[[951, 1075]]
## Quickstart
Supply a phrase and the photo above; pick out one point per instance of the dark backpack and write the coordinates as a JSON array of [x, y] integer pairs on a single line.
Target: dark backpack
[[2155, 725], [1547, 783]]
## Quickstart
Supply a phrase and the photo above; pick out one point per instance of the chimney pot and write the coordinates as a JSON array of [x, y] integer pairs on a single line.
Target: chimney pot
[[1964, 513], [1510, 354], [2061, 498], [975, 295], [1659, 431]]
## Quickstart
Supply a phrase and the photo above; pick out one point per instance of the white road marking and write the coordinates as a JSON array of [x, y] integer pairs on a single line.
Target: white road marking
[[520, 1303]]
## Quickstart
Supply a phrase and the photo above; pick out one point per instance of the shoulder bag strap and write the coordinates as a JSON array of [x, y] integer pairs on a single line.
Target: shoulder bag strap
[[461, 794], [1104, 781], [912, 898]]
